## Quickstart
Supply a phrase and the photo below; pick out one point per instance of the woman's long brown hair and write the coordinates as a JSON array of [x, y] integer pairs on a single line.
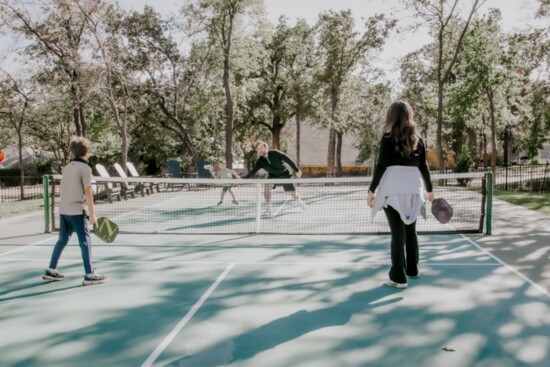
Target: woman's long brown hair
[[400, 125]]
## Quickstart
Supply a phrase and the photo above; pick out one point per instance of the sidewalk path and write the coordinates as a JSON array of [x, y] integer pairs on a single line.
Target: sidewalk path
[[521, 238]]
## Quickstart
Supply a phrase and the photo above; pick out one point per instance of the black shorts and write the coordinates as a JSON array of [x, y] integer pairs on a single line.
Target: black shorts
[[286, 186]]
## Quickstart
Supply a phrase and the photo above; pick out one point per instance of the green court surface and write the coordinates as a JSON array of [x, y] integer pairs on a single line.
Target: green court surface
[[270, 301]]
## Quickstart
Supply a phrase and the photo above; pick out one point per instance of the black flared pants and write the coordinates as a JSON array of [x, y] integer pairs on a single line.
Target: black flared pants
[[404, 247]]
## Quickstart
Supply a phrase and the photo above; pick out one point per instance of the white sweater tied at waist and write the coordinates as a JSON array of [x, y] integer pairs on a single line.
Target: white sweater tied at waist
[[402, 188]]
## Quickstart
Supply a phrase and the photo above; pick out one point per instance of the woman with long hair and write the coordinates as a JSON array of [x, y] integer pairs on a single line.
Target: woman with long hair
[[401, 185]]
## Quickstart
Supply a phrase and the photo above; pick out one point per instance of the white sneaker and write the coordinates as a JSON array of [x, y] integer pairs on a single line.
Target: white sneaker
[[301, 204], [393, 284], [268, 211], [94, 278]]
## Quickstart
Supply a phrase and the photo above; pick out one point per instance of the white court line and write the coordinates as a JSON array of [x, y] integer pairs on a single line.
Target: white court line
[[427, 263], [24, 247], [522, 276], [153, 357], [281, 206]]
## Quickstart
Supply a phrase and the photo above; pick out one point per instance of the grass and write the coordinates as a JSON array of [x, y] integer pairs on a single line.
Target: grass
[[14, 208], [534, 201]]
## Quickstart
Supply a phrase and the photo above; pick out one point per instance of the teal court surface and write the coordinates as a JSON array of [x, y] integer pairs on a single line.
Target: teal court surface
[[270, 301]]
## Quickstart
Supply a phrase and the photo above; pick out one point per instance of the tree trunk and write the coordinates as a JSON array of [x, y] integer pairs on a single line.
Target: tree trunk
[[439, 132], [507, 145], [459, 133], [276, 136], [298, 117], [180, 131], [485, 155], [21, 166], [339, 171], [78, 108], [276, 128], [228, 118], [332, 134], [331, 152], [492, 121], [229, 114]]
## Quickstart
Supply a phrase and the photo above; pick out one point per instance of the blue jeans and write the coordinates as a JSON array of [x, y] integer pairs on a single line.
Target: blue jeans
[[68, 225]]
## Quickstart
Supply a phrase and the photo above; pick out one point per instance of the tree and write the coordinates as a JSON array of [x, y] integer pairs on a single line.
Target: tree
[[15, 101], [104, 22], [486, 69], [283, 66], [58, 39], [365, 111], [439, 15], [219, 18], [419, 91], [169, 78], [341, 52], [50, 123], [530, 104]]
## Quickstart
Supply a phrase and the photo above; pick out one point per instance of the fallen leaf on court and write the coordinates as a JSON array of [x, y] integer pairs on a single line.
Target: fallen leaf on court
[[448, 349]]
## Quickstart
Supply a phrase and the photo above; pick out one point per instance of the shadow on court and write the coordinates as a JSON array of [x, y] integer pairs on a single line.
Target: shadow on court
[[288, 328], [35, 294], [289, 301]]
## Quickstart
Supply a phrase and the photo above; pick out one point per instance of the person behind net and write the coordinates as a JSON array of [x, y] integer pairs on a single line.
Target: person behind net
[[273, 162], [400, 185], [225, 173], [76, 187]]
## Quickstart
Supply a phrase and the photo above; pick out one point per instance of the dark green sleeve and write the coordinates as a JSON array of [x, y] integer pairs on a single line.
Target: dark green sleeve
[[258, 166], [290, 162]]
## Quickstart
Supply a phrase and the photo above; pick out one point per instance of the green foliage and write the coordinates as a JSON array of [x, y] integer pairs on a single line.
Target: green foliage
[[464, 163], [537, 123], [167, 80]]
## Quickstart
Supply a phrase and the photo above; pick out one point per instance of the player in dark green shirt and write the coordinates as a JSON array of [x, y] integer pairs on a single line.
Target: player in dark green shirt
[[276, 164]]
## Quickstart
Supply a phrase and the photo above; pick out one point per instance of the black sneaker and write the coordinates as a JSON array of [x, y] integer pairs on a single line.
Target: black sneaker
[[52, 275], [94, 278]]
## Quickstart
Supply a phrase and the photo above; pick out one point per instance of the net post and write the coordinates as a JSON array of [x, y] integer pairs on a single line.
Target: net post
[[46, 187], [489, 203], [52, 206], [258, 207]]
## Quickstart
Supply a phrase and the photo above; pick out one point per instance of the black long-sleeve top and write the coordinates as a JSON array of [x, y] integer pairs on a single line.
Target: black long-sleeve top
[[273, 164], [389, 156]]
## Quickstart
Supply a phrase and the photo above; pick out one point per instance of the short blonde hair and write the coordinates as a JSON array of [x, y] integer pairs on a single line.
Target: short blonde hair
[[261, 142], [80, 146]]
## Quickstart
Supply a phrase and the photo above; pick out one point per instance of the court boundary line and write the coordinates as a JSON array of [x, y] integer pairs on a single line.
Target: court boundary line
[[25, 246], [510, 267], [175, 331], [253, 262]]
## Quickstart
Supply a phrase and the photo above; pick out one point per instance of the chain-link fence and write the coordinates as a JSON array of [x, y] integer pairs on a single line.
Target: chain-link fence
[[15, 188]]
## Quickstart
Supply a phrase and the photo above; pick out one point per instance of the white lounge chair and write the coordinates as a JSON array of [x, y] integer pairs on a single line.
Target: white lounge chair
[[127, 188], [110, 190], [134, 173]]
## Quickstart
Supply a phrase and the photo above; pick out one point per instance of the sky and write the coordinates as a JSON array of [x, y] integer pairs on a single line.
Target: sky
[[517, 15]]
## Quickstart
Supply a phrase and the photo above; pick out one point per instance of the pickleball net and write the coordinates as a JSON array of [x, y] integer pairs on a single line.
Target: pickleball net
[[333, 205]]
